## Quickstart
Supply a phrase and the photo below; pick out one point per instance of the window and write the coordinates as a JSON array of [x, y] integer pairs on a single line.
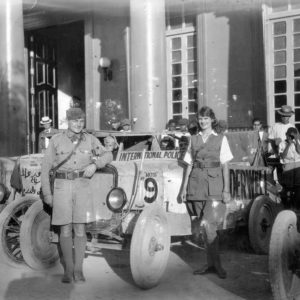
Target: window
[[283, 57], [182, 73]]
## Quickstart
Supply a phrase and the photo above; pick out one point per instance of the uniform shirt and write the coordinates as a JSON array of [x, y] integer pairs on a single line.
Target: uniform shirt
[[90, 150], [225, 152]]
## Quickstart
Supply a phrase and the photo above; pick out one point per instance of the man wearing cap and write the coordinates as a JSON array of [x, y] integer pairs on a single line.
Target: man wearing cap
[[115, 123], [183, 135], [278, 130], [81, 154], [183, 125], [44, 135], [277, 135], [125, 125]]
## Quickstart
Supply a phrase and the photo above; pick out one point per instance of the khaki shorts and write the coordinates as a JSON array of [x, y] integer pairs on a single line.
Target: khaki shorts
[[72, 202]]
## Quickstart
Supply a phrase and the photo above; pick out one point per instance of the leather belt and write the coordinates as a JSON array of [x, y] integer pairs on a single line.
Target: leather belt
[[69, 175], [206, 165]]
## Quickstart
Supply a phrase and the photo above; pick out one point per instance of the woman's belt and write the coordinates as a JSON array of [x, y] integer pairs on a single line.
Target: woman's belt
[[69, 175], [206, 164]]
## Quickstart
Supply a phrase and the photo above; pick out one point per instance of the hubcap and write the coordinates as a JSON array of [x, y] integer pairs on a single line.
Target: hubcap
[[154, 246]]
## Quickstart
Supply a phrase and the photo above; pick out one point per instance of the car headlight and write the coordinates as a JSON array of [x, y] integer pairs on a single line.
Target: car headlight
[[116, 199]]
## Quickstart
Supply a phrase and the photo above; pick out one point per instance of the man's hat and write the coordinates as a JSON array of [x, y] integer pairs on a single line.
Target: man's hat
[[183, 121], [285, 111], [45, 120], [125, 122], [75, 113]]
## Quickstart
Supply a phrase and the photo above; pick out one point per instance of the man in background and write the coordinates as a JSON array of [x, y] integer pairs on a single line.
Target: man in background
[[45, 135], [277, 134]]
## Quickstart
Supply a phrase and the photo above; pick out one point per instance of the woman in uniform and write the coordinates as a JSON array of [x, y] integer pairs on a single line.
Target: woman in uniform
[[205, 185]]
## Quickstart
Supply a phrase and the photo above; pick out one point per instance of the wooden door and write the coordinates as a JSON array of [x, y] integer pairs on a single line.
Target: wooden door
[[42, 84]]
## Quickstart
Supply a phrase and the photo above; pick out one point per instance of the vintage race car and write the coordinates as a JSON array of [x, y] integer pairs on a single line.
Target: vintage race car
[[136, 200]]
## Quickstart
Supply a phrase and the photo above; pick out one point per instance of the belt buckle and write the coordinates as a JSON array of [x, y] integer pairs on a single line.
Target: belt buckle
[[70, 176]]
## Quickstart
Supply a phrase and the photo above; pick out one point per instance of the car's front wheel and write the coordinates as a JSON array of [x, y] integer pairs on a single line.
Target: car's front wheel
[[35, 239], [150, 247]]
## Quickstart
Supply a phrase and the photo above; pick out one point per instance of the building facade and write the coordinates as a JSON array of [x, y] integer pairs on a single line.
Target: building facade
[[161, 59]]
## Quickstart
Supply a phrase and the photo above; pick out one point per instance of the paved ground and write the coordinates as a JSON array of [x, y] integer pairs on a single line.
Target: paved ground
[[109, 278]]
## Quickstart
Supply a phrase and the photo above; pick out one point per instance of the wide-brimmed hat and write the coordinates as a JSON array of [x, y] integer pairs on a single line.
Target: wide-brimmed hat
[[285, 111], [45, 120]]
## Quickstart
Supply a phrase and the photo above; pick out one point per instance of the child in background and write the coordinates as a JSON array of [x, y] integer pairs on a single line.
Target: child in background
[[111, 144]]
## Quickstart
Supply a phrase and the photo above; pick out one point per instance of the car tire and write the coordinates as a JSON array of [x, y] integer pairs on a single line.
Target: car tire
[[150, 247], [11, 219], [261, 218], [35, 239], [284, 250]]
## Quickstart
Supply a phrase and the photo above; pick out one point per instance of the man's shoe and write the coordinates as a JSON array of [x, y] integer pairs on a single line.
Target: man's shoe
[[79, 277], [67, 278], [205, 270]]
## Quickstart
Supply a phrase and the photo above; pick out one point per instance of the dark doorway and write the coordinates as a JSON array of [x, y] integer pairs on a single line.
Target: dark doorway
[[56, 68]]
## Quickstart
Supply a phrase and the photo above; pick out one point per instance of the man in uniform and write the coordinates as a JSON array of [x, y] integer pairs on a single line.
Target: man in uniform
[[81, 154]]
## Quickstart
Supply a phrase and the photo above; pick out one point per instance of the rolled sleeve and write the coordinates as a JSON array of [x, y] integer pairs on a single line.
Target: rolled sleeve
[[188, 154], [225, 153], [103, 157]]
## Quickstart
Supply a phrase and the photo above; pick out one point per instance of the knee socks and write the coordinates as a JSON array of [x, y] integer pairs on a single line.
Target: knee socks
[[79, 247], [66, 245]]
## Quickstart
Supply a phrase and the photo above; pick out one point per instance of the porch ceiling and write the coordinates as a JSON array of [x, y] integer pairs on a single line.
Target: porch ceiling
[[41, 13]]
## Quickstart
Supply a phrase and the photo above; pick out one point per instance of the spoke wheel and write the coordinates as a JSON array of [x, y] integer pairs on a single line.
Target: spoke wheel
[[261, 218], [284, 255], [150, 247], [35, 239], [10, 223]]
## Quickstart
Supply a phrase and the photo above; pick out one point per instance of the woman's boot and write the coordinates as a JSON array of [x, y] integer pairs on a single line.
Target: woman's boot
[[213, 261], [209, 266], [216, 258]]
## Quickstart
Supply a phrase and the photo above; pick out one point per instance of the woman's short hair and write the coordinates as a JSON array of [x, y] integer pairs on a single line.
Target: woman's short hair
[[206, 111]]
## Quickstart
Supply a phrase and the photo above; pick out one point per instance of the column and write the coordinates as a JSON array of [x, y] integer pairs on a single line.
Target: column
[[13, 111], [148, 84]]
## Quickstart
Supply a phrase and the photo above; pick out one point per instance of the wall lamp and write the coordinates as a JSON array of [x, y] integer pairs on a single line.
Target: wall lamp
[[105, 64]]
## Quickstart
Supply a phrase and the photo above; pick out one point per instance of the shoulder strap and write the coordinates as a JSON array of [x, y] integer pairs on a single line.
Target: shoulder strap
[[68, 157]]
